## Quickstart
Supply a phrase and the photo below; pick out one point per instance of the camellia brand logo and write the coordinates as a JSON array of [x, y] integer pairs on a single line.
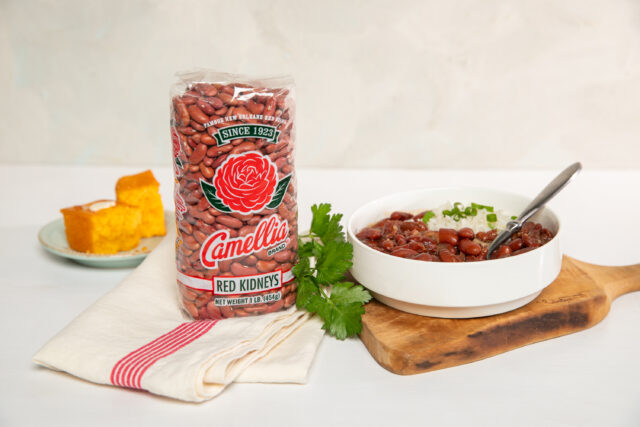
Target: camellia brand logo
[[219, 246], [246, 183]]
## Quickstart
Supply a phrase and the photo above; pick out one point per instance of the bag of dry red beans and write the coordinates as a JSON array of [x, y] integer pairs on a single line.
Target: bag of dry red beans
[[235, 193]]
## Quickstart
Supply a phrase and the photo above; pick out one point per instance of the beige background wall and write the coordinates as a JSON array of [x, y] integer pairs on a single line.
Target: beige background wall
[[423, 84]]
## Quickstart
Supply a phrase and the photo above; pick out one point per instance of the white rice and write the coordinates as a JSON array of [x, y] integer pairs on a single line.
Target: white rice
[[476, 223]]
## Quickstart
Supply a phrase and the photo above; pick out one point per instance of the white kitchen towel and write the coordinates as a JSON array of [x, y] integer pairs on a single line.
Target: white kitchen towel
[[136, 336]]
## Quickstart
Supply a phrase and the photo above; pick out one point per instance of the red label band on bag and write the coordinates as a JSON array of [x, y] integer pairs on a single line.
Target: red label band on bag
[[242, 290], [234, 285]]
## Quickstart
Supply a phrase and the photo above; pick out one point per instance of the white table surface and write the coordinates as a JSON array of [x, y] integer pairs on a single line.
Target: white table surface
[[589, 378]]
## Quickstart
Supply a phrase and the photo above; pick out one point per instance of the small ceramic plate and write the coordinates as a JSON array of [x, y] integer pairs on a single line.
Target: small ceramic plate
[[52, 237]]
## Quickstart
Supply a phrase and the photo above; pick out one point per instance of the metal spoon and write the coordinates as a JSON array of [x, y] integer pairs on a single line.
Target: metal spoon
[[553, 188]]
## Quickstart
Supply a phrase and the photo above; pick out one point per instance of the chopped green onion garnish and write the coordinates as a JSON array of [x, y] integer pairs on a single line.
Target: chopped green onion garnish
[[492, 217], [492, 226], [459, 211], [514, 217], [485, 207], [427, 216]]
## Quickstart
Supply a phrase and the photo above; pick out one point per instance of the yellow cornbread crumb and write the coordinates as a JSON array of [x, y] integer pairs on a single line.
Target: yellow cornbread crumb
[[141, 190], [102, 227]]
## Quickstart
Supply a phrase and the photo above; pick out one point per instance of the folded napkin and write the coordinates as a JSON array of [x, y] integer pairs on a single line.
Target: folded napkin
[[136, 336]]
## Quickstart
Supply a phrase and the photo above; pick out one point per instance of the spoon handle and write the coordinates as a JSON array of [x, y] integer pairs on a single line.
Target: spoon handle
[[547, 193], [558, 183]]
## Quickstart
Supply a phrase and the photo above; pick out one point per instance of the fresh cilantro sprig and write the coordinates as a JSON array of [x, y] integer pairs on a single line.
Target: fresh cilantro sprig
[[325, 257]]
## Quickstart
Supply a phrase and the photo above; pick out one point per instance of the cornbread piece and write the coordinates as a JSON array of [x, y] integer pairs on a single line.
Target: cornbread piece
[[141, 190], [102, 227]]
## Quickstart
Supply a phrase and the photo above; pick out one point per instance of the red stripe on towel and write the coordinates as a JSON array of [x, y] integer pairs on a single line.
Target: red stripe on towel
[[129, 370]]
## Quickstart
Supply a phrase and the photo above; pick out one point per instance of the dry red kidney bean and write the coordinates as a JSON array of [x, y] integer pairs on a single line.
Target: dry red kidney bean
[[191, 243], [260, 308], [217, 162], [187, 293], [286, 266], [196, 126], [250, 260], [290, 299], [243, 147], [275, 306], [190, 307], [229, 221], [217, 151], [185, 226], [182, 114], [198, 154], [206, 108], [207, 172], [263, 255], [213, 311], [243, 270], [283, 256], [198, 116], [202, 299], [232, 232], [406, 235], [247, 229], [199, 236], [226, 311]]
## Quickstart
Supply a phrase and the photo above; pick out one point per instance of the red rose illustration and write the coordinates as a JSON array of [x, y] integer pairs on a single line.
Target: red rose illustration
[[245, 182]]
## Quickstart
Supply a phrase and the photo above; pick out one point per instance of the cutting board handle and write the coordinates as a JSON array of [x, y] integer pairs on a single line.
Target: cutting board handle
[[615, 281]]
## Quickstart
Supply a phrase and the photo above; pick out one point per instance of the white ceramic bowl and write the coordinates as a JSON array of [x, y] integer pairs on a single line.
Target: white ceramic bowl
[[453, 290]]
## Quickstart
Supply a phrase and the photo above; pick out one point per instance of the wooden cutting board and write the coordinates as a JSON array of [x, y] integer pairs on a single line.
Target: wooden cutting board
[[579, 298]]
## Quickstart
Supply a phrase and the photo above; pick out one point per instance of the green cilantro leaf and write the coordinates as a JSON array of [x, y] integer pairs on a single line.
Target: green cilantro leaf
[[333, 261], [326, 227], [303, 267], [343, 321], [307, 289], [324, 258], [347, 293], [320, 218]]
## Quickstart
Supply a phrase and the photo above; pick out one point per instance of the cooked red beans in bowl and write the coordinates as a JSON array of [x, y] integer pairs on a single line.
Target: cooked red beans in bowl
[[406, 235]]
